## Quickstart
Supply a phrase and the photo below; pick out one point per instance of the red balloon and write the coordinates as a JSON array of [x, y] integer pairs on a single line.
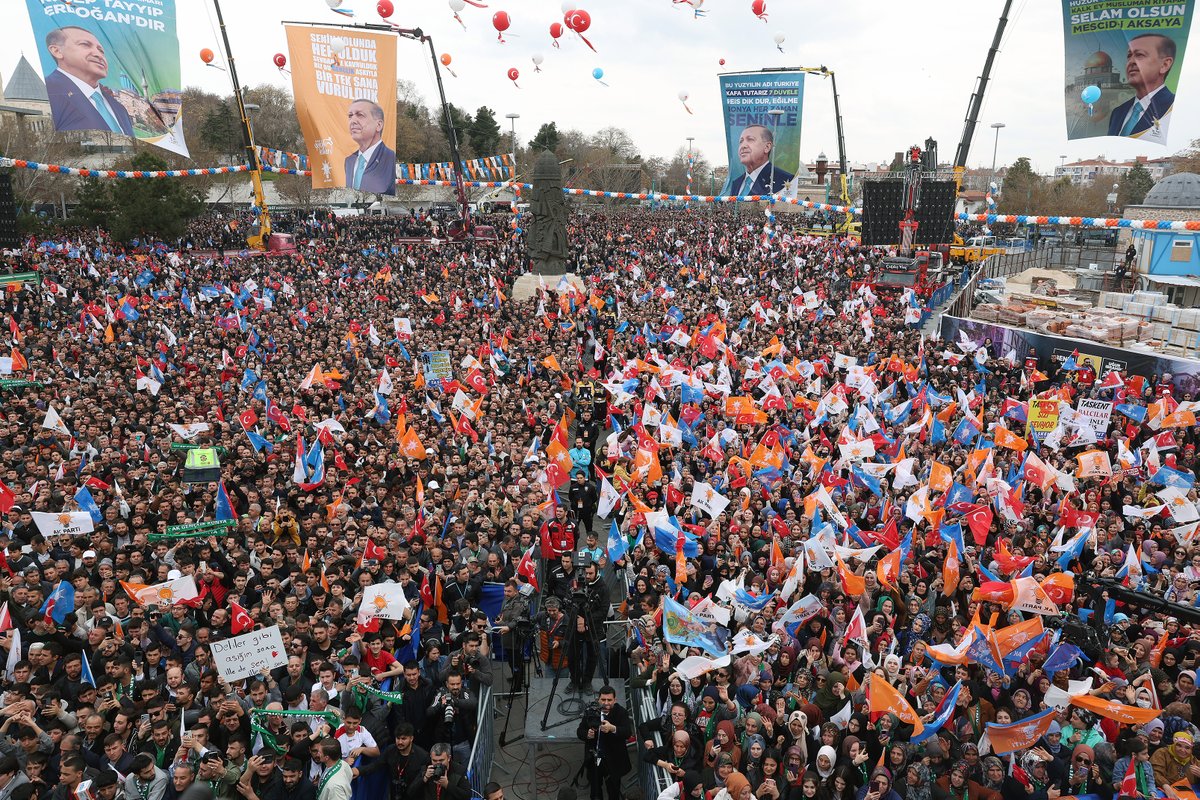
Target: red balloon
[[385, 8], [722, 62], [280, 60], [759, 7], [513, 73], [501, 21], [556, 29], [579, 20], [207, 56]]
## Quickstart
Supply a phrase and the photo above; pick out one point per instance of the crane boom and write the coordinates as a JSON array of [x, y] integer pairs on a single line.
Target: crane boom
[[964, 144]]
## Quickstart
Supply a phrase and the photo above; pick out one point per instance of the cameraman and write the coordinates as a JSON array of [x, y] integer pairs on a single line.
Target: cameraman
[[562, 577], [604, 729], [452, 717], [591, 598], [475, 667], [552, 638], [442, 779], [403, 762]]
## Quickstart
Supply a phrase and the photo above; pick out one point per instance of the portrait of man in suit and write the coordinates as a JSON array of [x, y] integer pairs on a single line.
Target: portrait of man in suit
[[759, 176], [1147, 64], [77, 100], [372, 167]]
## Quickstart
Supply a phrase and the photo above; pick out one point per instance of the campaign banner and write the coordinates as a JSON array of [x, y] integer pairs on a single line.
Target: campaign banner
[[435, 364], [344, 83], [249, 654], [1097, 413], [1123, 60], [682, 627], [1043, 418], [112, 67], [763, 149]]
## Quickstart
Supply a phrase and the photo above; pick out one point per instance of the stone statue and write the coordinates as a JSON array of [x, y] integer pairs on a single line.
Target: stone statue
[[546, 235]]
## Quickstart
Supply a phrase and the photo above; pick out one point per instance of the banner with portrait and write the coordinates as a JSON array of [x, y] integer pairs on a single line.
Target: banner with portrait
[[112, 67], [1123, 59], [344, 82], [763, 148]]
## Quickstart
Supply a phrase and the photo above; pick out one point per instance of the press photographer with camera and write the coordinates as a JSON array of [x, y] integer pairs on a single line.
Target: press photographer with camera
[[591, 602], [443, 780], [452, 717], [604, 729], [552, 625]]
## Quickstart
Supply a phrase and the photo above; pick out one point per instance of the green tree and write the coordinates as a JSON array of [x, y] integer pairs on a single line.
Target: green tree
[[1021, 192], [462, 125], [546, 139], [151, 207], [1133, 186], [220, 132], [485, 132], [94, 204]]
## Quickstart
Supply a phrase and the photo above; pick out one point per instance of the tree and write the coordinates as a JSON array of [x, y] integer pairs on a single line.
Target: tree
[[462, 125], [1133, 186], [152, 207], [220, 132], [485, 132], [1021, 184], [94, 204], [1188, 159], [546, 139]]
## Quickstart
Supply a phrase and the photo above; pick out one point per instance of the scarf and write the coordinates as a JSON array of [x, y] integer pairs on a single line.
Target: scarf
[[921, 790], [830, 754]]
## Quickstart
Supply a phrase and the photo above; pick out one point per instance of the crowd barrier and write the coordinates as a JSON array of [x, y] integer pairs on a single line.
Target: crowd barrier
[[652, 778], [483, 750]]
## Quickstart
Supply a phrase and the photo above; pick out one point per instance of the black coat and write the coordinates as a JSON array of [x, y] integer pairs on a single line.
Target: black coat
[[614, 754]]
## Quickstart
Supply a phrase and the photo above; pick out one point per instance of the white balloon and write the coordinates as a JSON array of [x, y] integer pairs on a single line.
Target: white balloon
[[779, 38], [333, 3], [457, 5], [338, 46], [683, 95], [568, 6], [538, 58], [696, 4]]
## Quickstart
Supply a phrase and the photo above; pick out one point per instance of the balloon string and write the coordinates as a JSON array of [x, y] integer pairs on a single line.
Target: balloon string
[[685, 108], [779, 47], [460, 22], [602, 83], [477, 5], [763, 16], [285, 71], [555, 43], [452, 72], [536, 68], [589, 44], [700, 13], [500, 38]]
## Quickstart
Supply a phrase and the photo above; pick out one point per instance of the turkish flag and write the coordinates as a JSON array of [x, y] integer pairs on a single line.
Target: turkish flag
[[7, 498], [240, 622], [979, 520], [526, 568], [477, 382], [248, 419], [276, 415]]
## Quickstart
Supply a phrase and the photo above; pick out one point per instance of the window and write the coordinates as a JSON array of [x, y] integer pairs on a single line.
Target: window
[[1181, 250]]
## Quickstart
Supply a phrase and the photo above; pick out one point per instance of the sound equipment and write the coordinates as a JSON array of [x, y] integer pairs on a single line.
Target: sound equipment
[[883, 208], [10, 238]]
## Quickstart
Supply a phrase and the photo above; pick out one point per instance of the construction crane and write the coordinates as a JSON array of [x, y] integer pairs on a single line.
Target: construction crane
[[964, 144], [843, 168], [259, 239]]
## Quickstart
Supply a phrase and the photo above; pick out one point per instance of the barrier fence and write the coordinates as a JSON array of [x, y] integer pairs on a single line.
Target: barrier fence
[[479, 767], [652, 778]]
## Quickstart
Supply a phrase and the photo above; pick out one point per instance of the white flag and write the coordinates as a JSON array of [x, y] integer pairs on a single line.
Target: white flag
[[695, 666], [385, 600], [751, 643], [14, 653], [608, 499], [385, 382], [167, 593], [402, 326], [708, 499], [64, 523], [53, 422], [189, 430]]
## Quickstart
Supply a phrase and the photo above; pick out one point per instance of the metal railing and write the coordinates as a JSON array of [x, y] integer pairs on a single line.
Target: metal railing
[[653, 779], [479, 767], [998, 266]]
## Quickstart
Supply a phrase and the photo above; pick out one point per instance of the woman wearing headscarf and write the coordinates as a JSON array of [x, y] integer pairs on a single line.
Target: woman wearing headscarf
[[958, 785], [1083, 776], [825, 762], [918, 784], [796, 735], [908, 637], [690, 786], [831, 696], [879, 787], [854, 754], [1081, 730], [993, 773], [752, 756], [724, 741], [737, 787]]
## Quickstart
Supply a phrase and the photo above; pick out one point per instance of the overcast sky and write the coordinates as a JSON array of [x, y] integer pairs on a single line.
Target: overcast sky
[[905, 70]]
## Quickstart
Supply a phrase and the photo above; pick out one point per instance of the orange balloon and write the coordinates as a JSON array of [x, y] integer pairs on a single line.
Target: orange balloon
[[446, 59], [207, 56]]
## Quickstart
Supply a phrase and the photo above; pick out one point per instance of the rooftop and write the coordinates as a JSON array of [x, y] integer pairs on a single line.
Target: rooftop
[[26, 84]]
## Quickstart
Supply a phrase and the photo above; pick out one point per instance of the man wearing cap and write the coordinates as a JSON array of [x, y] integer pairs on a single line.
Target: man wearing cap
[[1177, 762]]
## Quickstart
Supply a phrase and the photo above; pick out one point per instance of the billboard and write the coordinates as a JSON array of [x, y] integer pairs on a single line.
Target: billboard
[[763, 149], [112, 67], [344, 83], [1123, 59]]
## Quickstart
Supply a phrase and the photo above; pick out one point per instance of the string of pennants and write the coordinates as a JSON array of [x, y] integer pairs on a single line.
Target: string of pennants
[[991, 219], [270, 157], [488, 168]]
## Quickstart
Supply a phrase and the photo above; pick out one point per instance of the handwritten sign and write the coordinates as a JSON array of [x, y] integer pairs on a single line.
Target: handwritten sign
[[249, 654]]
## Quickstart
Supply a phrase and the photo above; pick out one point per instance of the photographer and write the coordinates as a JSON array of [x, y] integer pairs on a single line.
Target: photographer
[[591, 599], [452, 717], [442, 779], [604, 730], [552, 638], [514, 627], [562, 577], [471, 662]]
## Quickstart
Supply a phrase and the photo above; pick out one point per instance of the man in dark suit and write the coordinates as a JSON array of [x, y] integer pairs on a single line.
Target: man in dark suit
[[759, 176], [371, 168], [604, 733], [1147, 64], [77, 100]]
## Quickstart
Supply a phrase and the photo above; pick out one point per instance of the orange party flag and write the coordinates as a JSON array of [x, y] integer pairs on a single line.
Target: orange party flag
[[1109, 709], [853, 585], [884, 699]]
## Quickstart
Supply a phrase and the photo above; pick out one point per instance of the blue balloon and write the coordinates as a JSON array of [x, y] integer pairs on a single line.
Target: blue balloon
[[598, 73], [1090, 94]]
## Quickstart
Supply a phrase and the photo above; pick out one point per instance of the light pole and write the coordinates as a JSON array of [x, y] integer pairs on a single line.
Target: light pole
[[513, 119], [996, 126], [689, 169], [775, 114], [1062, 165]]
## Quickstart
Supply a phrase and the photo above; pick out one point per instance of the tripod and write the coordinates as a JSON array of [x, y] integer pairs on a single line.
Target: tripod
[[517, 653]]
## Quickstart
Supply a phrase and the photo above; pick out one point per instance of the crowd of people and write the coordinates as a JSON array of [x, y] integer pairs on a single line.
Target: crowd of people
[[423, 481]]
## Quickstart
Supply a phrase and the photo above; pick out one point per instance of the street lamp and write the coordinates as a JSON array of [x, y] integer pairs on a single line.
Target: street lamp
[[512, 118], [775, 114], [996, 126], [1062, 164], [689, 168]]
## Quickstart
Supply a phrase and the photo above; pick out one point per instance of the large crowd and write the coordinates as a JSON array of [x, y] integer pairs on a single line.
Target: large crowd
[[426, 480]]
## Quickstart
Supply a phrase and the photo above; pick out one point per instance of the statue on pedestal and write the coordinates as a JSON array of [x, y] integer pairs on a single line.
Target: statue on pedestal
[[546, 235]]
